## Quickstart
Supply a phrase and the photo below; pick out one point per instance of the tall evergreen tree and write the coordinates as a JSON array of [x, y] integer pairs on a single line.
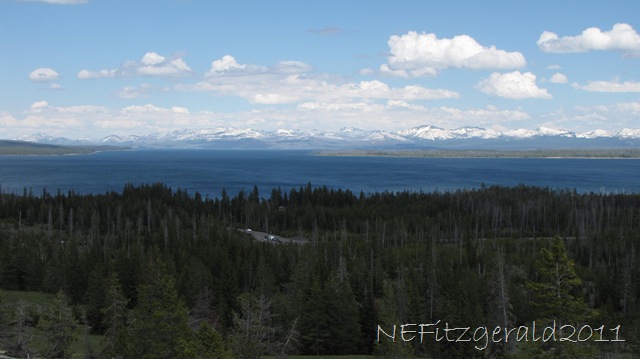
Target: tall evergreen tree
[[500, 310], [343, 317], [253, 327], [60, 327], [15, 334], [556, 295], [390, 345], [114, 320], [557, 300], [160, 320], [315, 326]]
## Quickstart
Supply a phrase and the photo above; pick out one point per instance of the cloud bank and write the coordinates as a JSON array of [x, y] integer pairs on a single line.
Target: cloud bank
[[152, 64], [610, 86], [289, 82]]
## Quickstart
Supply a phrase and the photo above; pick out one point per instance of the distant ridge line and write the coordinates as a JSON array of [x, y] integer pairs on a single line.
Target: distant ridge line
[[426, 136]]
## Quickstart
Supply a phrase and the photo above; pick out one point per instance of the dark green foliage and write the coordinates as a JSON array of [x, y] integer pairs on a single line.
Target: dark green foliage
[[388, 320], [253, 329], [557, 301], [14, 329], [95, 299], [60, 325], [136, 260], [556, 287], [159, 322], [206, 344], [315, 323], [114, 320]]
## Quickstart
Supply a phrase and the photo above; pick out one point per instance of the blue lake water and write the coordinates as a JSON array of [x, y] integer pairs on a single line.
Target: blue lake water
[[208, 172]]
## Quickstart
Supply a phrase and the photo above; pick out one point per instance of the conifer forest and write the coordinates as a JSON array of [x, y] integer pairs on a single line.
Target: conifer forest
[[157, 272]]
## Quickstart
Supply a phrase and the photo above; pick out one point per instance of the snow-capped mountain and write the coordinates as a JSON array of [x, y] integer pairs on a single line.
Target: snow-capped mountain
[[629, 133], [427, 133], [44, 138], [350, 137], [475, 132], [595, 134]]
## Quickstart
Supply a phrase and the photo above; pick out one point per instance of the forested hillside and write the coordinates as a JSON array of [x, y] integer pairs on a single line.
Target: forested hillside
[[162, 273], [22, 148]]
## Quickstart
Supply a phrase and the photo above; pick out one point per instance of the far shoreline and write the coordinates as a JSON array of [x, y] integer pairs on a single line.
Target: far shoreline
[[24, 148], [630, 153]]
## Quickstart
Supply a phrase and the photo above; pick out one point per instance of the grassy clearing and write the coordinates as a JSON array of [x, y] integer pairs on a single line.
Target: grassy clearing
[[32, 298]]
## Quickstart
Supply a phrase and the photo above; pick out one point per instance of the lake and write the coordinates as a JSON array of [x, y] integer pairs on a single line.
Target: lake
[[209, 171]]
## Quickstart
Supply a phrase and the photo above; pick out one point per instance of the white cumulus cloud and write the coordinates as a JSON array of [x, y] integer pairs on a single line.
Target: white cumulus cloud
[[179, 109], [152, 66], [622, 37], [39, 105], [559, 78], [43, 74], [152, 58], [514, 85], [226, 63], [414, 54]]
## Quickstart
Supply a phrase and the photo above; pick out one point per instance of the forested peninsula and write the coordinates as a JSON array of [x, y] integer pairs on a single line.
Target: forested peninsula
[[24, 148], [155, 272], [540, 153]]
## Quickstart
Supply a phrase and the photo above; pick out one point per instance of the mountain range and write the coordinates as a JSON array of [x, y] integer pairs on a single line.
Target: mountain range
[[349, 137]]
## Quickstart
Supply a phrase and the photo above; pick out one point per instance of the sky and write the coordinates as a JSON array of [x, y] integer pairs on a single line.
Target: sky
[[92, 68]]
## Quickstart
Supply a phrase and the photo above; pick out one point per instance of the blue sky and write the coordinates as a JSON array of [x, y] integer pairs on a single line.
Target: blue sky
[[91, 68]]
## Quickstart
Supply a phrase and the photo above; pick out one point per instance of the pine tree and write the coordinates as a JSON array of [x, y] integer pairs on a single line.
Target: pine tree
[[501, 310], [94, 298], [557, 300], [390, 347], [253, 327], [343, 316], [14, 334], [60, 325], [160, 320], [315, 326], [4, 314], [206, 344], [556, 287], [114, 320]]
